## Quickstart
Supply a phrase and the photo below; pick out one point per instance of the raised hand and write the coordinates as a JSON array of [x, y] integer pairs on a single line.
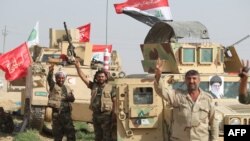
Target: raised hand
[[77, 63], [51, 68], [244, 70], [158, 69]]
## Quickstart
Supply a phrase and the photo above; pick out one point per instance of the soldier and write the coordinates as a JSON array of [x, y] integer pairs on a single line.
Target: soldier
[[60, 98], [102, 103], [244, 96], [6, 122], [193, 110]]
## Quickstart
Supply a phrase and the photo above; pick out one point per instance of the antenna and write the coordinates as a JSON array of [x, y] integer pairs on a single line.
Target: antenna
[[244, 38], [5, 33], [107, 22]]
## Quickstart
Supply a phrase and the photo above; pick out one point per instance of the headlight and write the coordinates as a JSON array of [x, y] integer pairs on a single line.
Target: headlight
[[234, 121]]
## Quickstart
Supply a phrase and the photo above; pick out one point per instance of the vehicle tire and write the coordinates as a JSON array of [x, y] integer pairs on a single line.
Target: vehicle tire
[[37, 117]]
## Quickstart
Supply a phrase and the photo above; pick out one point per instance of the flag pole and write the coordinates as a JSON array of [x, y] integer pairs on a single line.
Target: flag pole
[[107, 22]]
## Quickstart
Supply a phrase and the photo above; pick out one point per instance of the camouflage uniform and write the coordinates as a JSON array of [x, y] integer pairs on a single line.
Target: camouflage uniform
[[191, 120], [102, 119], [62, 123]]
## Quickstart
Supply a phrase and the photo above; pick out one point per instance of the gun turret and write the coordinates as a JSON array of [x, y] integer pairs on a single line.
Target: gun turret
[[71, 49]]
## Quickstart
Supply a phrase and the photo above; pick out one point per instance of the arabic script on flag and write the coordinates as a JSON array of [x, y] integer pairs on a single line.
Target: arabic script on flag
[[15, 62]]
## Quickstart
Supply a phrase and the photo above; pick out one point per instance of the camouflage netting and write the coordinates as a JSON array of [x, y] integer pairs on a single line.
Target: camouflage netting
[[163, 32]]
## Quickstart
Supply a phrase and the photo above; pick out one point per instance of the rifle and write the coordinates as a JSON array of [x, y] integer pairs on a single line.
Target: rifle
[[71, 49]]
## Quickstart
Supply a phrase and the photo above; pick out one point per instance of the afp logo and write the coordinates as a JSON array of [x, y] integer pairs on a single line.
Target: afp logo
[[233, 132]]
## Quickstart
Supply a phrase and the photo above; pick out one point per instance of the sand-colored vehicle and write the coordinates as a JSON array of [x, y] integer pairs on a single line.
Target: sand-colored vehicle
[[143, 115], [34, 86]]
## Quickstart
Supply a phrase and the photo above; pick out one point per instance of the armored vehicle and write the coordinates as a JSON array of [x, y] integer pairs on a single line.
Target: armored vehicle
[[34, 86], [143, 115]]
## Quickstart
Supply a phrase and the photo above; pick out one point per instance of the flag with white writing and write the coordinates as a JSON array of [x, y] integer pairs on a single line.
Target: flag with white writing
[[34, 36], [146, 11], [15, 62], [84, 32]]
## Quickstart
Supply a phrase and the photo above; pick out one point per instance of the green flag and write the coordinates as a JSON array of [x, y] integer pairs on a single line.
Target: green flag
[[34, 36]]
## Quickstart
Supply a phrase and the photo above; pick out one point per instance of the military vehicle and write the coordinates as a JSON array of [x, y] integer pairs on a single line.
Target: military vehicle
[[34, 86], [143, 115]]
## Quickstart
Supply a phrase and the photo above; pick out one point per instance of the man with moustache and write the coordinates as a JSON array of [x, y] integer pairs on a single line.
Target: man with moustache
[[193, 109], [102, 103]]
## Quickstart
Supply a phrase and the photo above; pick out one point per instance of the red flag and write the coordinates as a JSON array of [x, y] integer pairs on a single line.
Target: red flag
[[84, 32], [98, 51], [15, 62], [146, 11]]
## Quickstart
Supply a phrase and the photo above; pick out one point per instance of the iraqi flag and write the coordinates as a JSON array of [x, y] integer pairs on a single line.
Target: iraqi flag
[[15, 62], [99, 50], [146, 11], [84, 32]]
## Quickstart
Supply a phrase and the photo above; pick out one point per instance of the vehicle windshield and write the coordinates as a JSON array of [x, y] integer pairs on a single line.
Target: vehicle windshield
[[230, 89]]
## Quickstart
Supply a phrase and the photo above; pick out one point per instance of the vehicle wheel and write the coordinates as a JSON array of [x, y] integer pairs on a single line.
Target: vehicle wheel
[[37, 117]]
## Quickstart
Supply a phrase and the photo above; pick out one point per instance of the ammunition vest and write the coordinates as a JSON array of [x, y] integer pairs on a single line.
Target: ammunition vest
[[106, 101], [55, 96]]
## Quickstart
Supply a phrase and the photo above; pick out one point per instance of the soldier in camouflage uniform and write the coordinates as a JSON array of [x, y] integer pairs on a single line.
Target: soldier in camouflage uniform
[[102, 103], [193, 109], [244, 96], [59, 99]]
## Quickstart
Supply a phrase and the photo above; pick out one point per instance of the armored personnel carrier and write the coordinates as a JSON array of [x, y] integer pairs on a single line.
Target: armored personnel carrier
[[143, 115], [34, 87]]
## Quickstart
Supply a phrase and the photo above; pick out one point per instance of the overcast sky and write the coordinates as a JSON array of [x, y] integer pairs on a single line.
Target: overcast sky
[[227, 21]]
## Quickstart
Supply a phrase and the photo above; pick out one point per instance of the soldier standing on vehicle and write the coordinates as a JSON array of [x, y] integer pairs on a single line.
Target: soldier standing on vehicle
[[102, 103], [193, 109], [244, 96], [60, 98]]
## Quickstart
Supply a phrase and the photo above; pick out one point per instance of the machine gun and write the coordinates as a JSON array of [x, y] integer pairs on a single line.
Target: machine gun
[[71, 49], [244, 38], [227, 51]]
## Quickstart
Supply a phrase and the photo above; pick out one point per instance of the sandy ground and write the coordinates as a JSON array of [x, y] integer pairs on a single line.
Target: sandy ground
[[6, 138]]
